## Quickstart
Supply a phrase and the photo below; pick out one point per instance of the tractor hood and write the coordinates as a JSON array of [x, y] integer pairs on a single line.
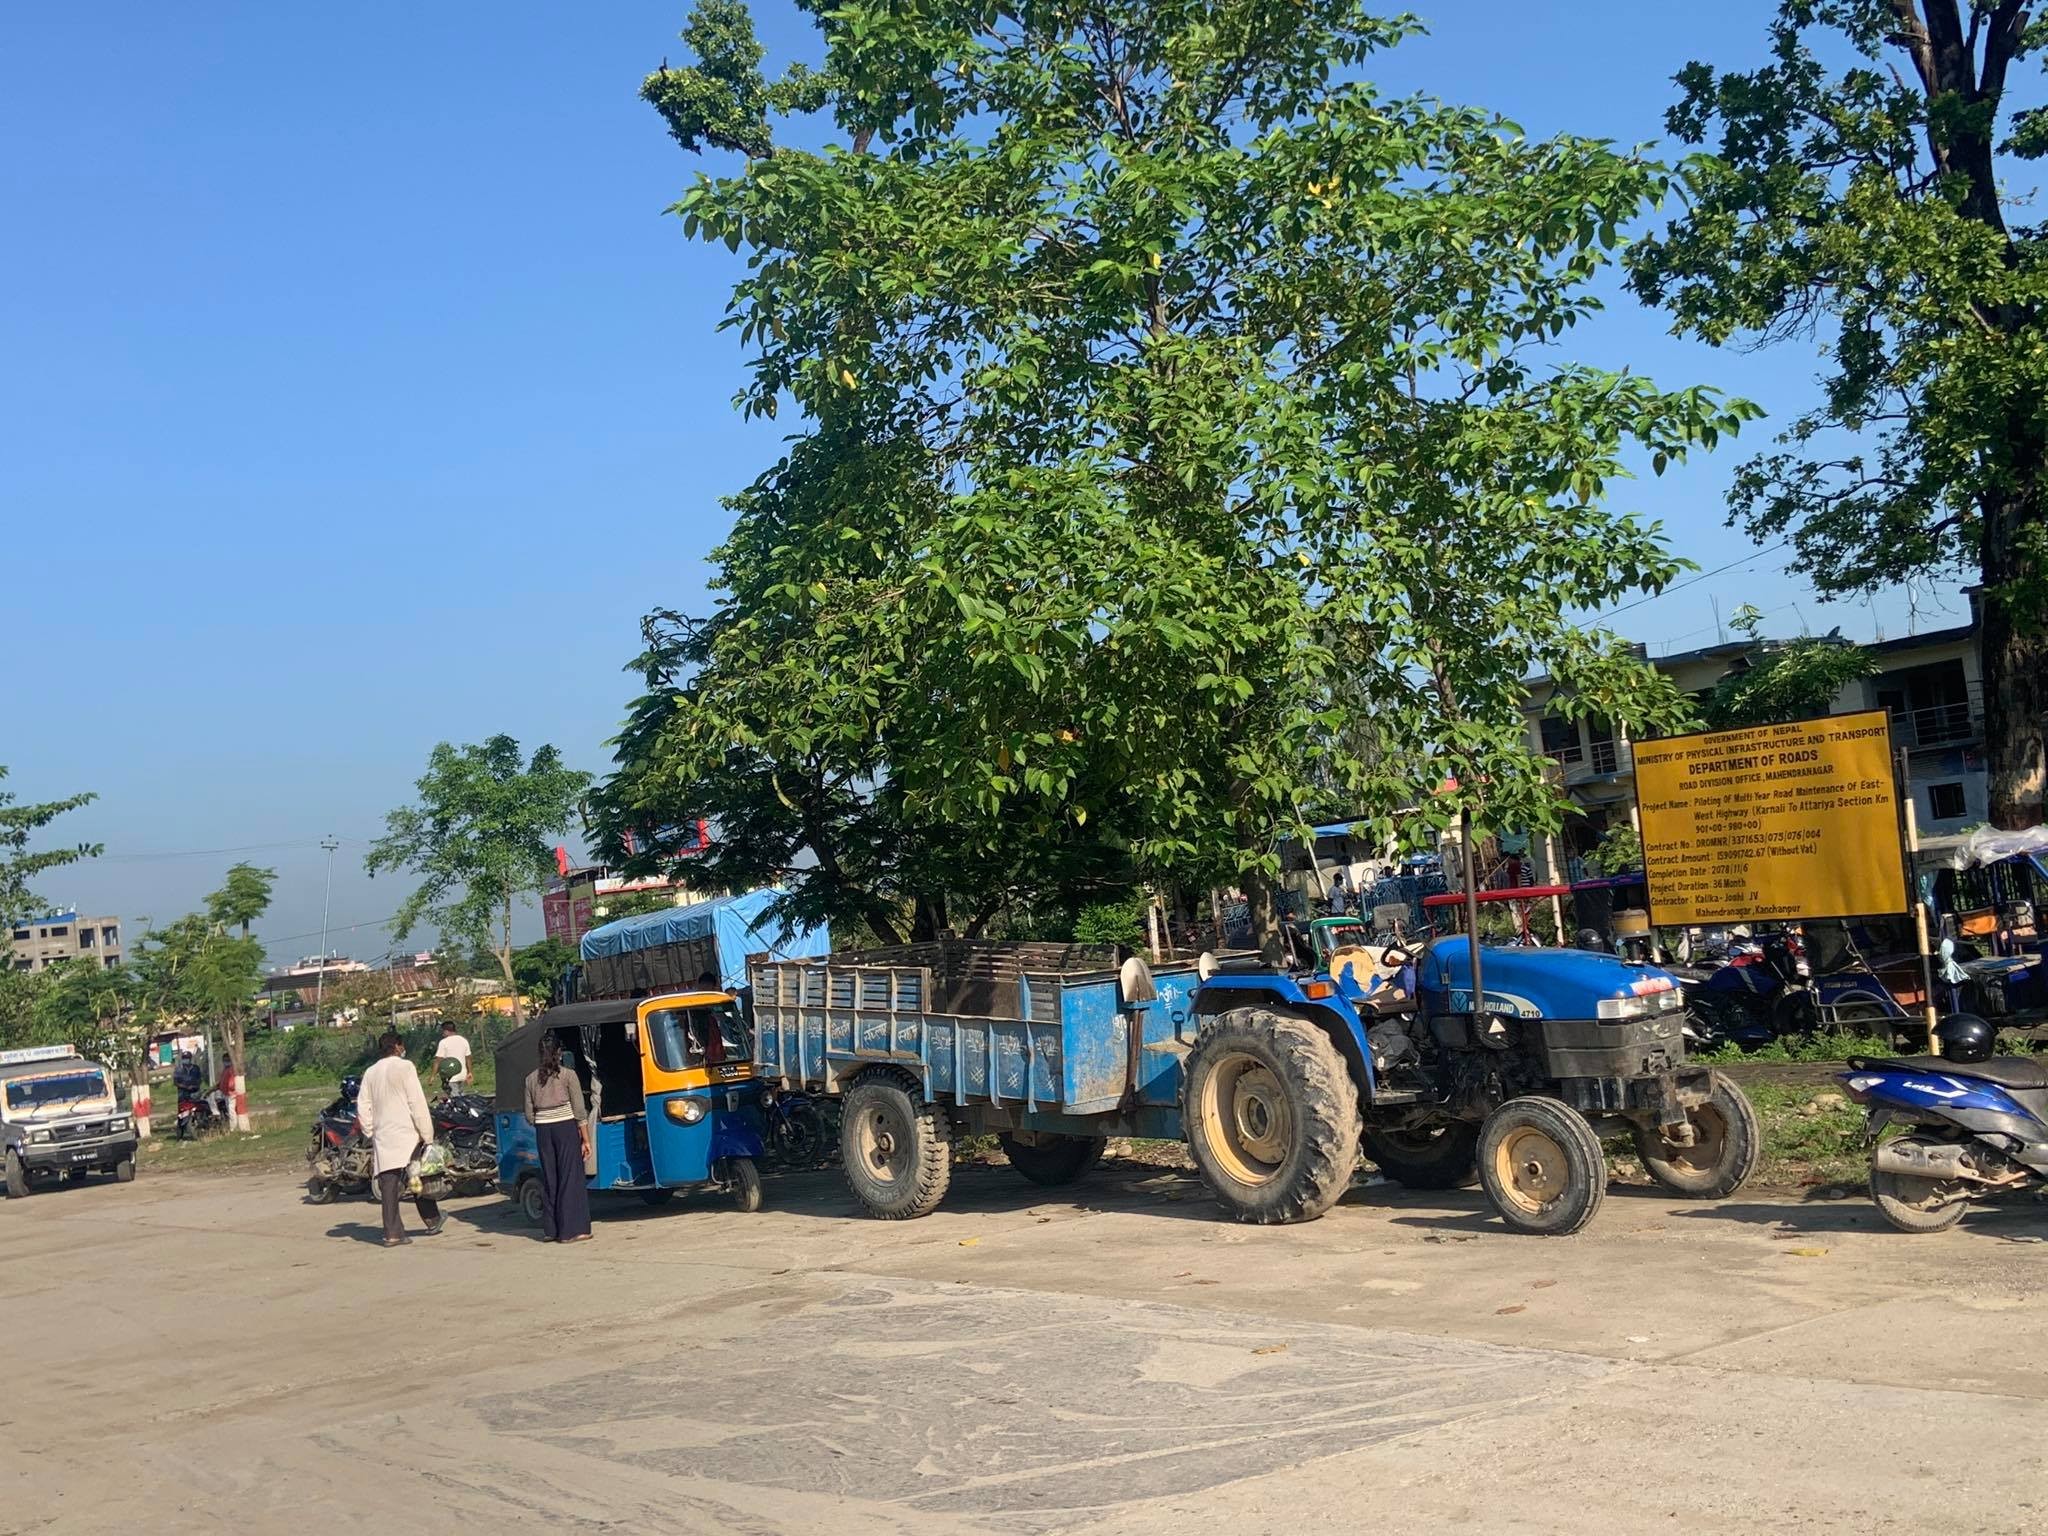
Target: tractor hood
[[1544, 983]]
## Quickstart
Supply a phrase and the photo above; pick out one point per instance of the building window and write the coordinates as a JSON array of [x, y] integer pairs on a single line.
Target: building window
[[24, 965], [59, 933], [21, 934], [1561, 738], [110, 936], [85, 938], [111, 961], [1945, 801]]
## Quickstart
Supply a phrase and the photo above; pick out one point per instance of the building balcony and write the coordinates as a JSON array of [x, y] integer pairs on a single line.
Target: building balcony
[[1955, 724]]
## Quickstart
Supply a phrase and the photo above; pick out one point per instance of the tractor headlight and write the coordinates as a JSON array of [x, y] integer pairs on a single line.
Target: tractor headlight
[[684, 1111], [1625, 1007]]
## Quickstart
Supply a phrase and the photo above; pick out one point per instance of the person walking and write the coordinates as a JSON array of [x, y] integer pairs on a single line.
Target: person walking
[[454, 1047], [554, 1103], [392, 1114]]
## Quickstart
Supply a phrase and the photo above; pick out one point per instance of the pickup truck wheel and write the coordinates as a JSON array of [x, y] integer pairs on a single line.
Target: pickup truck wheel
[[1440, 1156], [1541, 1166], [897, 1151], [1271, 1116], [1727, 1144], [124, 1171], [1049, 1159], [17, 1177]]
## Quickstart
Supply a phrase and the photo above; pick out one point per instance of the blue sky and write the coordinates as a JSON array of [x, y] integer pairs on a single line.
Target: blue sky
[[359, 396]]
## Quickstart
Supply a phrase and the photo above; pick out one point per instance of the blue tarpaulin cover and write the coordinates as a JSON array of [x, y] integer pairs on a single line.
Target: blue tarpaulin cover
[[740, 924]]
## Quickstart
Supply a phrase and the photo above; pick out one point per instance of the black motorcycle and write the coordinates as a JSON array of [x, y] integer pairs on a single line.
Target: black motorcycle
[[467, 1125]]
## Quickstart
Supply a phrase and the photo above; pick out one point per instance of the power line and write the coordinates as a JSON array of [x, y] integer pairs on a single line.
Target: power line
[[1693, 581], [198, 853]]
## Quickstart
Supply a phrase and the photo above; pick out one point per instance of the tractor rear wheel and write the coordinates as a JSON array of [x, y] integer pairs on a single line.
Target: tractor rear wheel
[[1727, 1144], [1271, 1116], [1050, 1159], [1542, 1166], [1439, 1156]]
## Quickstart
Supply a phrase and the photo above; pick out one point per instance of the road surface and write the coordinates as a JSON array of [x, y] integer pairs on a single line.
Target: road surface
[[213, 1354]]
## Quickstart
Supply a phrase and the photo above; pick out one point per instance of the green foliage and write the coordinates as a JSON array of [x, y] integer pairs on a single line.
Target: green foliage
[[618, 904], [1795, 680], [17, 865], [1867, 206], [1183, 455], [479, 840], [1619, 851], [537, 967], [1112, 922], [243, 897], [1804, 1048]]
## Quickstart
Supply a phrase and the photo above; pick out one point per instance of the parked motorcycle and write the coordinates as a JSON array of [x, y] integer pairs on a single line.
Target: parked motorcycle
[[198, 1115], [339, 1160], [796, 1130], [1952, 1128], [1765, 993], [467, 1125]]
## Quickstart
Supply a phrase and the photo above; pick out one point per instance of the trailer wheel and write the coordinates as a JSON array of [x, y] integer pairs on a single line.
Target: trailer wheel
[[896, 1150], [1271, 1116], [1727, 1145], [1049, 1159], [1439, 1156], [1541, 1166]]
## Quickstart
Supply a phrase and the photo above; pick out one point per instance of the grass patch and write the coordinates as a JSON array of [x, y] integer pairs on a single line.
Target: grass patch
[[1808, 1048], [1810, 1136]]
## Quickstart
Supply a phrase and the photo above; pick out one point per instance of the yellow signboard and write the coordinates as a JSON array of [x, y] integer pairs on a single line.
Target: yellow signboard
[[1776, 821]]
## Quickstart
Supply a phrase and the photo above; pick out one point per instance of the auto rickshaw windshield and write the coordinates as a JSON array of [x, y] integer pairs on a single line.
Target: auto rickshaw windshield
[[706, 1034]]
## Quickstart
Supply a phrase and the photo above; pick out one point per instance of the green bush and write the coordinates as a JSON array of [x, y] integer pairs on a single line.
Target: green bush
[[1808, 1048], [1112, 922]]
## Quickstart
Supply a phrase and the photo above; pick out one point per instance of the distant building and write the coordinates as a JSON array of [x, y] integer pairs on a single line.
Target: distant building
[[39, 944], [583, 897], [1930, 684]]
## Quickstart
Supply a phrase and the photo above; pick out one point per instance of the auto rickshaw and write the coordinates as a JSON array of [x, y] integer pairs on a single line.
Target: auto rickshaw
[[669, 1082]]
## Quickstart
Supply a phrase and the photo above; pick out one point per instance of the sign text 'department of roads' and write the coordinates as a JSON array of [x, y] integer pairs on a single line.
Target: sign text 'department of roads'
[[1776, 821]]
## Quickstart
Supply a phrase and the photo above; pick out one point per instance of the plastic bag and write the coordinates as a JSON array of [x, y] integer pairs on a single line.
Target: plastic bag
[[433, 1161]]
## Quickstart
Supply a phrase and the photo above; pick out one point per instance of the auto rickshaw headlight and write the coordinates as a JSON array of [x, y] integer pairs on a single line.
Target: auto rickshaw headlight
[[684, 1111]]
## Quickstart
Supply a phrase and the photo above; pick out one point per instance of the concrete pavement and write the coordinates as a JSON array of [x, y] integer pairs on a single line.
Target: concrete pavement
[[199, 1354]]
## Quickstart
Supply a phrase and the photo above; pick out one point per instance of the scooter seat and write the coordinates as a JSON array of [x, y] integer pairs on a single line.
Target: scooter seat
[[2005, 1071]]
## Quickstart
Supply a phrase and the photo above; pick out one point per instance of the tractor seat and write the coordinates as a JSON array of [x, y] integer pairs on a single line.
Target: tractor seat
[[2005, 1071]]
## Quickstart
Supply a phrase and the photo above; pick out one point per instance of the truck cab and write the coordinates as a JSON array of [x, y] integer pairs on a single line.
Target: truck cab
[[60, 1117]]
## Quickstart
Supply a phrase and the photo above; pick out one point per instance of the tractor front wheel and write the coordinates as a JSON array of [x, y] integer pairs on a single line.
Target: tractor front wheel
[[1542, 1166], [1271, 1116], [1727, 1144], [1439, 1156]]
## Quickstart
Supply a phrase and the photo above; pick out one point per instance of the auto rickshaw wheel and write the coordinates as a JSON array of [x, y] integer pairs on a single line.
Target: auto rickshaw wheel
[[745, 1182], [529, 1197], [656, 1197], [897, 1151]]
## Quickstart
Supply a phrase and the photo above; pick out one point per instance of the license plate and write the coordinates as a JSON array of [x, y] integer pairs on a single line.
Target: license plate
[[83, 1157]]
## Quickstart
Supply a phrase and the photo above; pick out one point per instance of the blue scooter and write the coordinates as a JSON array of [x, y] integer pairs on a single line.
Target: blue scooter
[[1969, 1124]]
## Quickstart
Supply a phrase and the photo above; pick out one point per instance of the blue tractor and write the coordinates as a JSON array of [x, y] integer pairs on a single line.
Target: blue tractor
[[1354, 1042]]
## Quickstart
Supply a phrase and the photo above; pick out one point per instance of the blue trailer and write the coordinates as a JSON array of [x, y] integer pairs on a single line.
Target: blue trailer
[[1276, 1079], [1052, 1047]]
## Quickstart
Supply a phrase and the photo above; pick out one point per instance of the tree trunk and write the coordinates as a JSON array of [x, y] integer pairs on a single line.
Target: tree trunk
[[2014, 658], [928, 919], [1264, 910]]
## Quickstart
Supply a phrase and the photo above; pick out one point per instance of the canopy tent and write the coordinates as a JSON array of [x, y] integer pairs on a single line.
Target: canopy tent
[[728, 929]]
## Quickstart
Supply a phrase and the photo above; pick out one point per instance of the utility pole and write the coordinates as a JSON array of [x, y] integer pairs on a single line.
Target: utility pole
[[326, 904]]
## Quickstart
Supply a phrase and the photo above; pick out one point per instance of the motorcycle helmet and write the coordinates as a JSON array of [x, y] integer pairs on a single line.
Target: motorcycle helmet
[[449, 1068], [1965, 1037], [351, 1085]]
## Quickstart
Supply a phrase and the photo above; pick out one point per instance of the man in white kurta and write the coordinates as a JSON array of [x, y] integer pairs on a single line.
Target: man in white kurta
[[391, 1112]]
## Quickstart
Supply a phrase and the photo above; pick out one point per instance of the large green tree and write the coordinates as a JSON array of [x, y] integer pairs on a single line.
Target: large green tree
[[1787, 680], [1868, 185], [1172, 400], [479, 840], [18, 826]]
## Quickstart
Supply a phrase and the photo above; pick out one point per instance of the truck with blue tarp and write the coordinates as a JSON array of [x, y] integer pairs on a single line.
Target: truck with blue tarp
[[706, 943], [1276, 1078]]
